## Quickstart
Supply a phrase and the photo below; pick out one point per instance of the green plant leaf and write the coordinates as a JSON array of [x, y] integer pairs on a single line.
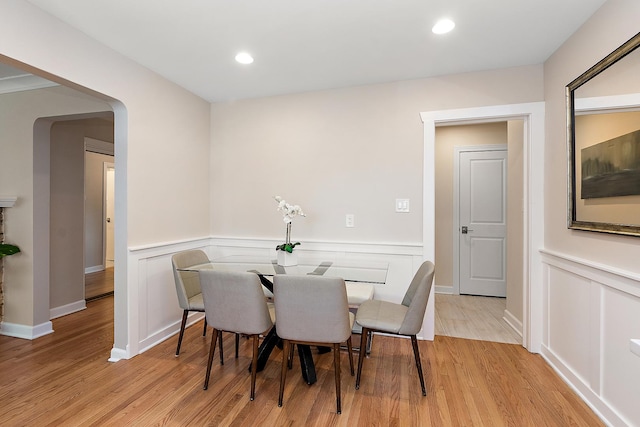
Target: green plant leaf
[[287, 247], [6, 250]]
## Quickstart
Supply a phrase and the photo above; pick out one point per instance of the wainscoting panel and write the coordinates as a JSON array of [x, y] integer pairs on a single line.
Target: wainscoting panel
[[569, 306], [158, 315], [620, 367], [592, 312]]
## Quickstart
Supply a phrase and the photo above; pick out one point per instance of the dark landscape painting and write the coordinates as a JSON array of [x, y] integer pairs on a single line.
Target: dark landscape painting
[[612, 168]]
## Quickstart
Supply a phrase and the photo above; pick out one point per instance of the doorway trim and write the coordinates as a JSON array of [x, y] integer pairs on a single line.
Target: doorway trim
[[107, 185], [457, 150], [533, 194]]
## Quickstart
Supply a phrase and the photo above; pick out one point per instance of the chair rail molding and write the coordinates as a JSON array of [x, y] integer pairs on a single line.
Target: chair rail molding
[[158, 314], [7, 201]]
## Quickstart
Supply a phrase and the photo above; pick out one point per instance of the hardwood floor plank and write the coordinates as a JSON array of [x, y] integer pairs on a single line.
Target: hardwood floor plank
[[65, 379], [98, 284]]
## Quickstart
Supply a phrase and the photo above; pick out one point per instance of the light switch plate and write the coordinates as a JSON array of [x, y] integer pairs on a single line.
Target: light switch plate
[[350, 220], [634, 346], [402, 205]]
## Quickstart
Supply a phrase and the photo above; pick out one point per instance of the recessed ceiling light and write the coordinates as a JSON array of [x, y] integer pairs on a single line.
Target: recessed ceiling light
[[443, 26], [244, 58]]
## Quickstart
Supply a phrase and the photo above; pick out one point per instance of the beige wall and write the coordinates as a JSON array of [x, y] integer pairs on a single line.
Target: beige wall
[[20, 172], [72, 188], [447, 138], [335, 152], [93, 210], [162, 140], [615, 23], [591, 300], [155, 113], [66, 277]]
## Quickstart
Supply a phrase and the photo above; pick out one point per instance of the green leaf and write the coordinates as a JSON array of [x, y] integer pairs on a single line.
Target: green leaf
[[287, 247], [6, 250]]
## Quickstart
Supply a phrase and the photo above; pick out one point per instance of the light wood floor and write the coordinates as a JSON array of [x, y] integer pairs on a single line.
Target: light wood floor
[[473, 317], [64, 379], [98, 284]]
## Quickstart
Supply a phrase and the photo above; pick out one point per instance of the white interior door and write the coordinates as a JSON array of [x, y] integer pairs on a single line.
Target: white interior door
[[109, 184], [482, 220]]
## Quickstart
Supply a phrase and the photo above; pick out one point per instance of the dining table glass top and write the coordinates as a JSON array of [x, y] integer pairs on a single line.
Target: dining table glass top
[[350, 270]]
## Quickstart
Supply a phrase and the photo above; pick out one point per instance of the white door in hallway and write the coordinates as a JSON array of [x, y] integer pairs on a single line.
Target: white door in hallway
[[482, 218], [109, 179]]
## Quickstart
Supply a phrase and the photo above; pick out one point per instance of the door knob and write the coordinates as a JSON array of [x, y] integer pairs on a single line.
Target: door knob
[[465, 229]]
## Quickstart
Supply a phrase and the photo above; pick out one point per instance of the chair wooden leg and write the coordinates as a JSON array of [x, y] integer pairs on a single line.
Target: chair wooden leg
[[290, 357], [254, 365], [416, 353], [350, 351], [363, 345], [283, 372], [237, 344], [212, 350], [204, 332], [182, 326], [221, 350], [336, 368]]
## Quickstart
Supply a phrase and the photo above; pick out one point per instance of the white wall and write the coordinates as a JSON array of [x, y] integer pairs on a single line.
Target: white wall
[[592, 280]]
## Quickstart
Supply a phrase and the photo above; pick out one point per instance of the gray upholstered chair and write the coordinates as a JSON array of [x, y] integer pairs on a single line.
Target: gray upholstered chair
[[235, 302], [400, 319], [312, 310], [188, 291], [188, 287]]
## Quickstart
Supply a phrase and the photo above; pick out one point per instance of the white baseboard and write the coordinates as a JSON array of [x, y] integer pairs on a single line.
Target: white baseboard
[[448, 290], [24, 331], [56, 312], [118, 354], [592, 399], [515, 323], [168, 332], [94, 269]]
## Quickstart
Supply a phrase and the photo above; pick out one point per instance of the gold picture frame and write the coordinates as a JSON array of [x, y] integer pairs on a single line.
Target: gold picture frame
[[603, 144]]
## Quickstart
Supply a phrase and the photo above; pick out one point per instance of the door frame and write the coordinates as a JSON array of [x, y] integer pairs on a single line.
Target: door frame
[[457, 150], [105, 186], [533, 194]]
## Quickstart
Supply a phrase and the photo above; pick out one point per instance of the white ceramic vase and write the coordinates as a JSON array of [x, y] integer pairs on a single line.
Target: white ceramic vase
[[287, 259]]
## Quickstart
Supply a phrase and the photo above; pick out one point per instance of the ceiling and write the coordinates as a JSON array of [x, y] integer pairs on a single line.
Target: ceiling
[[307, 45]]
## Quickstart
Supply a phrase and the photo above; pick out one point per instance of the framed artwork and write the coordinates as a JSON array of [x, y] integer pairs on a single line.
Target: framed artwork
[[603, 144]]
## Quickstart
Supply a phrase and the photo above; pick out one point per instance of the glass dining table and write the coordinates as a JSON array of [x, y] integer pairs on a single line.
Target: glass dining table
[[360, 277]]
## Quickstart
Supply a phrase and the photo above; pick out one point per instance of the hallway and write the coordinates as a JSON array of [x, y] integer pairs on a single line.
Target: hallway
[[98, 284], [473, 317]]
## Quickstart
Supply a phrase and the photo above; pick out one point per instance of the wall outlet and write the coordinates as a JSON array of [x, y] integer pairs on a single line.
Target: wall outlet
[[402, 205], [350, 220]]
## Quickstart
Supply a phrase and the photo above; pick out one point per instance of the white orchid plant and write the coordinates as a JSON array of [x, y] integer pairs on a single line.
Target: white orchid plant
[[288, 213]]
